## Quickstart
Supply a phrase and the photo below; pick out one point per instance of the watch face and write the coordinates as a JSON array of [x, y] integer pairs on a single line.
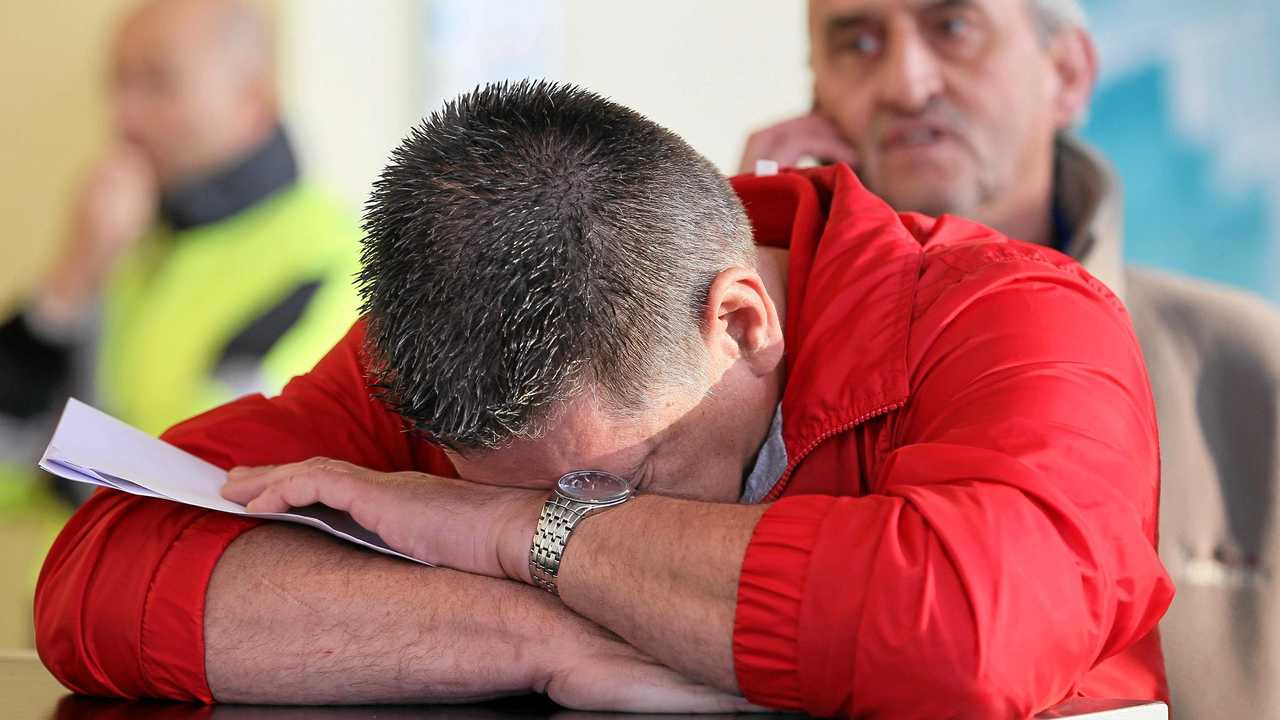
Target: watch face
[[594, 486]]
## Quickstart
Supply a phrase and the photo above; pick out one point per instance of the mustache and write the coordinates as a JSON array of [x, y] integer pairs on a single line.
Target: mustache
[[937, 112]]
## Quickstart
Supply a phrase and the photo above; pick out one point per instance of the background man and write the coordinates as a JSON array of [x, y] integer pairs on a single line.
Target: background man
[[965, 107], [219, 271], [844, 498], [198, 265]]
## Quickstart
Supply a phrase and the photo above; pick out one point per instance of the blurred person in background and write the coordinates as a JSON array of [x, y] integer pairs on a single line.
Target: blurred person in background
[[966, 107], [198, 265], [216, 269]]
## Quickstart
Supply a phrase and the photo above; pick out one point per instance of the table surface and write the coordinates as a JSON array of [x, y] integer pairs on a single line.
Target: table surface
[[29, 692]]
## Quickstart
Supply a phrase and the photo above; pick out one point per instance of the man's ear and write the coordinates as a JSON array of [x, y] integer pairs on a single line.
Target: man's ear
[[740, 320], [1075, 60]]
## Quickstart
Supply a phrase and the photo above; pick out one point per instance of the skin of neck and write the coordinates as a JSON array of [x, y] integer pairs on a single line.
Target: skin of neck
[[1024, 212]]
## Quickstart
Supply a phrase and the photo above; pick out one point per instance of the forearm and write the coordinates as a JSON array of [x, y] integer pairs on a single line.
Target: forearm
[[292, 616], [663, 574]]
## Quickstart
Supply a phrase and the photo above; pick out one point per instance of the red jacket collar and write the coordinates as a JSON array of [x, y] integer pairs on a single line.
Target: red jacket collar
[[851, 287]]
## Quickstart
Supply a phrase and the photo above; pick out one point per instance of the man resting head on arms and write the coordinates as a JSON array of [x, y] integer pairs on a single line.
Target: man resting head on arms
[[881, 463]]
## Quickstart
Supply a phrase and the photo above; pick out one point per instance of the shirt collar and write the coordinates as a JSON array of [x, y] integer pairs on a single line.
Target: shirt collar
[[770, 463], [264, 171], [1087, 212], [845, 243]]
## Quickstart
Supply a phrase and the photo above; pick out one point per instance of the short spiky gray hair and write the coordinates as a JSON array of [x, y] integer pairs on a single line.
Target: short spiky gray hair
[[531, 241]]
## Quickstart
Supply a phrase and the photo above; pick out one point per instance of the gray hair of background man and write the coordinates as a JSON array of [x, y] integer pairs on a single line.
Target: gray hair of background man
[[1054, 16], [533, 241]]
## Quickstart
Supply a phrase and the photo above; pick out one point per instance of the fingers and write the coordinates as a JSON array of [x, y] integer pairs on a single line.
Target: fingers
[[823, 149], [668, 692], [789, 142], [246, 483], [299, 489], [272, 489]]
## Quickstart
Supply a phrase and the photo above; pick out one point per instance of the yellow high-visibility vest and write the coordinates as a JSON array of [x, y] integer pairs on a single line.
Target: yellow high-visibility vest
[[178, 300]]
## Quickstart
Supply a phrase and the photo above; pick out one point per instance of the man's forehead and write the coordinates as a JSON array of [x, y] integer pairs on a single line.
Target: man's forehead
[[157, 31], [576, 438], [824, 11], [538, 463]]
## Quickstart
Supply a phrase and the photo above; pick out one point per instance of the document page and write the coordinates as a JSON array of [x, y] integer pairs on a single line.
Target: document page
[[92, 447]]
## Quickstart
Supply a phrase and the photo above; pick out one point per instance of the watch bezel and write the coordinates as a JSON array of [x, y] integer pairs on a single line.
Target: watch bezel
[[624, 488]]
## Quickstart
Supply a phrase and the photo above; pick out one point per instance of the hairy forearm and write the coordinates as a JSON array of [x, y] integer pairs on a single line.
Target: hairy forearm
[[292, 616], [663, 574]]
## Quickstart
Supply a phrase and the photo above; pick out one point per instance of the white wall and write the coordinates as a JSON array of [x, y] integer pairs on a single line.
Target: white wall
[[351, 78], [52, 125], [710, 70], [356, 76]]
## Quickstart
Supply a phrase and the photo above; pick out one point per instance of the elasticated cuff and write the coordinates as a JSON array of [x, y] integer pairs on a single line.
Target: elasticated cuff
[[172, 642], [770, 592]]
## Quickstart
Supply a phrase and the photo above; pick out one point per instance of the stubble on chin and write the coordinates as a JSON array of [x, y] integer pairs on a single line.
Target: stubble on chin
[[963, 196]]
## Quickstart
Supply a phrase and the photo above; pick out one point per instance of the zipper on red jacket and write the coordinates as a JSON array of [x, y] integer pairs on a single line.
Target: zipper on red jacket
[[844, 427]]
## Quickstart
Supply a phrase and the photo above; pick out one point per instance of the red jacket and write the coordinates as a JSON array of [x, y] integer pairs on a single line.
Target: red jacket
[[967, 520]]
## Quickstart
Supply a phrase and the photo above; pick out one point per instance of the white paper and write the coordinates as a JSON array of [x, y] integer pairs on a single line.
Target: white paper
[[1101, 709], [90, 446]]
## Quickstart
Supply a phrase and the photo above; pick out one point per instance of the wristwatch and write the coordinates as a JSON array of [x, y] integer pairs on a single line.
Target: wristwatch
[[577, 495]]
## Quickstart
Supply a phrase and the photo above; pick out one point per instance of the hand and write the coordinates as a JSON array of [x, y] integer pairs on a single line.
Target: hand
[[485, 530], [480, 529], [590, 668], [115, 204], [790, 141], [117, 201]]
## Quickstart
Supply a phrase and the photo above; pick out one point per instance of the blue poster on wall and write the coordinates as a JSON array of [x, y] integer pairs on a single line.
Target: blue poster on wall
[[1188, 111]]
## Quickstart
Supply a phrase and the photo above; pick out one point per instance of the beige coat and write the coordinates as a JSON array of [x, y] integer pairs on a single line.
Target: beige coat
[[1214, 358]]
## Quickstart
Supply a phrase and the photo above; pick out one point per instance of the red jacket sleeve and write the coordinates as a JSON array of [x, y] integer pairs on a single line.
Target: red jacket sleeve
[[120, 601], [1007, 545]]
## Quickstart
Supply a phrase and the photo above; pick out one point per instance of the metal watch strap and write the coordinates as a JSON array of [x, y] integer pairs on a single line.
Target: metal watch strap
[[560, 516]]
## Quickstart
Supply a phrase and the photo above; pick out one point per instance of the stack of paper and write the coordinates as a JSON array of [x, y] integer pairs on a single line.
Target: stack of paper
[[93, 447]]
